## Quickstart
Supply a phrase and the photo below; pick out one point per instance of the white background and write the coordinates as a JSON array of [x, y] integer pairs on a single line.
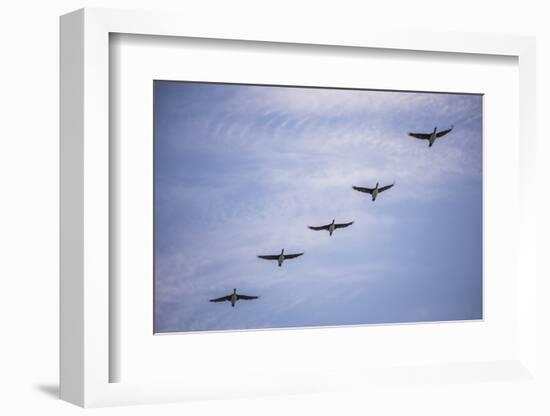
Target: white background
[[139, 60], [29, 207]]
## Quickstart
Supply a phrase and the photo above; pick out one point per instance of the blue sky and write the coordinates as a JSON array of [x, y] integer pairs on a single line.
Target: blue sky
[[243, 170]]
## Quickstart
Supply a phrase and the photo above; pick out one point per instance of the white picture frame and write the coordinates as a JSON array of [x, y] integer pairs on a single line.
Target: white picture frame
[[85, 207]]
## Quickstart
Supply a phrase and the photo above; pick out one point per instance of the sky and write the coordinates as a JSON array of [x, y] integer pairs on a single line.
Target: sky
[[242, 170]]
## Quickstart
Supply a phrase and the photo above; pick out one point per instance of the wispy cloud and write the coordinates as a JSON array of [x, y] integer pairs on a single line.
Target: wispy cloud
[[242, 170]]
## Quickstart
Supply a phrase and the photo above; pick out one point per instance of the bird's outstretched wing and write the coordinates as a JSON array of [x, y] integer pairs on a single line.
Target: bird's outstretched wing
[[365, 190], [385, 188], [343, 225], [443, 132], [270, 257], [292, 256], [321, 227], [246, 297], [421, 136], [222, 299]]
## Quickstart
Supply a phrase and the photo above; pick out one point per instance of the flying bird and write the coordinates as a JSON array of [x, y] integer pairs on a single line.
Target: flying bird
[[281, 257], [373, 191], [233, 298], [431, 136], [330, 227]]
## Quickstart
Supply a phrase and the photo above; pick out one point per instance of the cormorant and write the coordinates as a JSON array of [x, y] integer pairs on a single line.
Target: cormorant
[[280, 257], [431, 136], [233, 298], [330, 227], [373, 191]]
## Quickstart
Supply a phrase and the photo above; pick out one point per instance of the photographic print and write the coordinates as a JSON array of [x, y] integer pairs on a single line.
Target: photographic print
[[296, 207]]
